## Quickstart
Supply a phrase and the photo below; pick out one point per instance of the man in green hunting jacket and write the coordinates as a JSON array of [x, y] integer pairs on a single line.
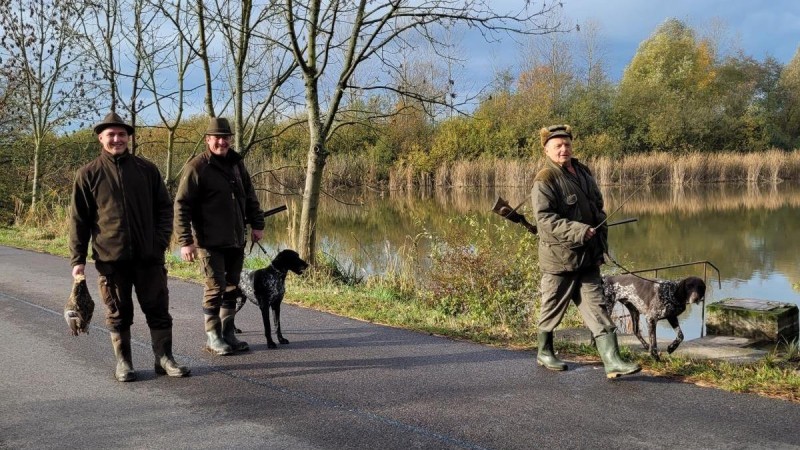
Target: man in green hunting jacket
[[568, 208], [120, 203], [217, 201]]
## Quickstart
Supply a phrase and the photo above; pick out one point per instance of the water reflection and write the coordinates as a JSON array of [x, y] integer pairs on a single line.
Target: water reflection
[[749, 232]]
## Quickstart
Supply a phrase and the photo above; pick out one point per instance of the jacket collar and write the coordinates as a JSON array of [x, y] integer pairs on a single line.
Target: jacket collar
[[114, 158], [231, 158]]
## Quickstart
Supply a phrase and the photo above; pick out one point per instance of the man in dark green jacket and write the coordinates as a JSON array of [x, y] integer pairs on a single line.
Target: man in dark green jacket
[[217, 201], [120, 203], [568, 207]]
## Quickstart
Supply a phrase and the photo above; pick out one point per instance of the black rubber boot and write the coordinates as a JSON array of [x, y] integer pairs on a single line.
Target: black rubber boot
[[226, 316], [165, 363], [609, 352], [546, 356], [121, 342], [215, 344]]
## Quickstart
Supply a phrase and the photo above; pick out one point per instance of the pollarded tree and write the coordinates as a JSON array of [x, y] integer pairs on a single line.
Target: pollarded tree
[[39, 47], [332, 40]]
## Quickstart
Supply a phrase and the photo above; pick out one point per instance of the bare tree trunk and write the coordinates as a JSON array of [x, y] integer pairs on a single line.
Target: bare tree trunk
[[203, 53], [37, 145], [307, 236]]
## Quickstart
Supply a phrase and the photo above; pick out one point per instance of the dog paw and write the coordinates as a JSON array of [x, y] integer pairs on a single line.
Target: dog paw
[[283, 341], [271, 344], [671, 349], [236, 330]]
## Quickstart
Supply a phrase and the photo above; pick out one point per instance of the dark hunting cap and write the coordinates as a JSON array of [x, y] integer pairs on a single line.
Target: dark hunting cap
[[112, 120], [555, 131], [218, 126]]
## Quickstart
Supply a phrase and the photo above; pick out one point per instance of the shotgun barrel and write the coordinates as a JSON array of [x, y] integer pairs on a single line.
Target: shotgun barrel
[[620, 222], [273, 211]]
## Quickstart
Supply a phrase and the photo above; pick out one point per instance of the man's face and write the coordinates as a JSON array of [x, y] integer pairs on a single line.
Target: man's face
[[114, 140], [559, 150], [218, 145]]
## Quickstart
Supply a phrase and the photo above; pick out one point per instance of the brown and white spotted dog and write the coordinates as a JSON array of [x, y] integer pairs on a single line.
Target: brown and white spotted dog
[[656, 299]]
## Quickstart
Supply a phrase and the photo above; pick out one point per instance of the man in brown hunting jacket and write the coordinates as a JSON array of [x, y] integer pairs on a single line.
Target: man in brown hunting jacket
[[119, 201], [568, 208], [216, 198]]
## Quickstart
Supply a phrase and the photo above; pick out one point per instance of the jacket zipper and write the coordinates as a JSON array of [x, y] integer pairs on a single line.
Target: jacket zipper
[[127, 239]]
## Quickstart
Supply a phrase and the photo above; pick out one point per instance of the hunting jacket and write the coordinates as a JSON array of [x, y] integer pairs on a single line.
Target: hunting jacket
[[216, 198], [565, 206], [121, 203]]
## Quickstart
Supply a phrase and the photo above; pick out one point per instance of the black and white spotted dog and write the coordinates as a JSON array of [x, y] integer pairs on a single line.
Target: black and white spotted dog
[[656, 299], [265, 287]]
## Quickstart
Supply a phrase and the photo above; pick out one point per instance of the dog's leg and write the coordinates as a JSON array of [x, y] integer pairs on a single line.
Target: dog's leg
[[673, 321], [240, 301], [651, 327], [276, 312], [267, 330], [637, 331]]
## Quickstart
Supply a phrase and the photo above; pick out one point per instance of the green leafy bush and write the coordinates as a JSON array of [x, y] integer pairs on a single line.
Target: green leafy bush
[[485, 268]]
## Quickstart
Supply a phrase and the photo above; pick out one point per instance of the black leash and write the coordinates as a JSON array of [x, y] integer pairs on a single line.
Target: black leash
[[267, 213]]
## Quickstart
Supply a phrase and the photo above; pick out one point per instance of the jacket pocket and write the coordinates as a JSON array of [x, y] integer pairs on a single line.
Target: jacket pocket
[[560, 258]]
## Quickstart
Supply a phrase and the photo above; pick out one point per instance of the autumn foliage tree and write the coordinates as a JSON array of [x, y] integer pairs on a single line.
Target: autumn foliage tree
[[665, 93]]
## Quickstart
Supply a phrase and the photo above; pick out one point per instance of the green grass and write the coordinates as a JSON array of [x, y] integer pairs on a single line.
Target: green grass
[[391, 302]]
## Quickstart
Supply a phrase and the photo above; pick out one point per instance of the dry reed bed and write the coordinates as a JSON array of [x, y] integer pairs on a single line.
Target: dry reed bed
[[657, 168]]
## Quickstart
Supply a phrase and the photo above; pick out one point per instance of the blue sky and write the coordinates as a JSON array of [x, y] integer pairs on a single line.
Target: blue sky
[[759, 28]]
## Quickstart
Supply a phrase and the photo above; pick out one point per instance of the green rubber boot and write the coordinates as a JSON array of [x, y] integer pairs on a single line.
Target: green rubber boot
[[215, 344], [609, 352], [165, 363], [546, 356], [121, 342], [226, 315]]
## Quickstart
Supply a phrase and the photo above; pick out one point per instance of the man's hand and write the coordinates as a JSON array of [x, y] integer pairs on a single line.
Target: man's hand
[[589, 234], [188, 252], [78, 269], [256, 235]]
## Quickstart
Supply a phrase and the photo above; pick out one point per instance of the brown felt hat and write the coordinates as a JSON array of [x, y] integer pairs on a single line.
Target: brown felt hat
[[218, 126], [552, 131], [112, 119]]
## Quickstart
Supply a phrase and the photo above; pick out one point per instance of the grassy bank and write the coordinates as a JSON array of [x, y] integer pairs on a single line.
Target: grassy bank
[[459, 301]]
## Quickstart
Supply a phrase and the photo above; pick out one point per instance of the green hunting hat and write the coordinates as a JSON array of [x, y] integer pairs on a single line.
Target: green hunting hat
[[218, 126], [555, 131], [112, 120]]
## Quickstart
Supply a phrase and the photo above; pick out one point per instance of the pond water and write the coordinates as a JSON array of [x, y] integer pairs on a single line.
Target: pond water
[[749, 232]]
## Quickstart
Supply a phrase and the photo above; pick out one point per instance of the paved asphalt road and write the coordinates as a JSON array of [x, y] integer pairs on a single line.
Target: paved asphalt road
[[341, 383]]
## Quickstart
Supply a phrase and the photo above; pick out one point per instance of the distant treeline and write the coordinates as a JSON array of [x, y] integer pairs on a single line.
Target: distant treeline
[[681, 113]]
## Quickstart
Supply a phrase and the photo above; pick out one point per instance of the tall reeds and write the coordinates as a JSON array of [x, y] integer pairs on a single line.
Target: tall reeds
[[658, 168]]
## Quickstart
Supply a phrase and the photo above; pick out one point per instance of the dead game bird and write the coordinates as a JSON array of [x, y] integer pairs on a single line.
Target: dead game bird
[[79, 308]]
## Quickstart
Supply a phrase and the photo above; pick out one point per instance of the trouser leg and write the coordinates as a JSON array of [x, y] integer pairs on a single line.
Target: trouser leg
[[557, 292], [589, 300], [152, 292], [222, 268], [115, 285], [591, 306], [115, 282]]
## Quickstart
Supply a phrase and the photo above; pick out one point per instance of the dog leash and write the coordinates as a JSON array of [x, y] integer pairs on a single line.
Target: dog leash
[[628, 272], [263, 250]]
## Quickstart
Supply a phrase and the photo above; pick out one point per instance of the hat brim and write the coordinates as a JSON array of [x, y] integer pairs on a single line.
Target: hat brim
[[219, 133], [560, 133], [99, 128]]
